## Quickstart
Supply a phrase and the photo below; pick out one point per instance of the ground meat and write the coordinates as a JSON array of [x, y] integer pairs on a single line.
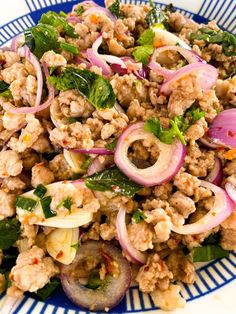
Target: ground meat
[[53, 59], [75, 135], [2, 283], [230, 167], [137, 12], [226, 91], [197, 130], [42, 145], [29, 159], [93, 233], [209, 103], [28, 135], [228, 239], [7, 204], [10, 164], [33, 270], [15, 72], [186, 183], [41, 175], [184, 204], [13, 121], [154, 274], [14, 184], [140, 235], [163, 191], [60, 168], [169, 299], [181, 266], [10, 58]]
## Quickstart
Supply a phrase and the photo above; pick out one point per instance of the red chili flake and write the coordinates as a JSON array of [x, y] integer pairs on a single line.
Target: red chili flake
[[231, 133], [35, 261], [115, 188], [59, 255]]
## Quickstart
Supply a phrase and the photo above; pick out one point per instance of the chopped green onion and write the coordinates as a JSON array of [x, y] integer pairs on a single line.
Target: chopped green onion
[[25, 203], [208, 253], [70, 48], [66, 202], [138, 216], [40, 190], [45, 203]]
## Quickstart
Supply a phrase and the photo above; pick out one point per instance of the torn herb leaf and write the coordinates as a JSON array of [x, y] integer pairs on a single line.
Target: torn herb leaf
[[94, 87], [5, 90], [69, 48], [208, 252], [115, 8], [112, 145], [114, 180], [146, 37], [155, 15], [138, 216], [9, 232], [45, 203], [48, 289], [143, 53], [25, 203], [79, 10]]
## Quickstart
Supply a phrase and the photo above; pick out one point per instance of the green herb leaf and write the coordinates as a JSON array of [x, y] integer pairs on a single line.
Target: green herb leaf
[[194, 114], [59, 22], [9, 232], [70, 48], [4, 90], [114, 180], [25, 203], [170, 8], [213, 238], [94, 280], [45, 203], [112, 145], [94, 87], [208, 253], [42, 38], [155, 15], [66, 202], [143, 53], [75, 246], [63, 14], [40, 190], [115, 8], [79, 10], [48, 289], [146, 38], [138, 216], [225, 39]]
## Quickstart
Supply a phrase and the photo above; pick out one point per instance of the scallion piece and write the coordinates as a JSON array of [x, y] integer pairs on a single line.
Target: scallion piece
[[45, 203], [25, 203], [40, 190], [70, 48]]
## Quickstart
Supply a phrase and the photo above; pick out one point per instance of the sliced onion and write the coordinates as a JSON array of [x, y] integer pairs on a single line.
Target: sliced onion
[[46, 104], [15, 42], [98, 9], [189, 55], [25, 52], [96, 59], [135, 255], [164, 38], [92, 3], [223, 207], [231, 190], [112, 292], [207, 76], [205, 141], [223, 129], [80, 60], [117, 64], [168, 164], [216, 174], [73, 19], [74, 160], [99, 164], [94, 150]]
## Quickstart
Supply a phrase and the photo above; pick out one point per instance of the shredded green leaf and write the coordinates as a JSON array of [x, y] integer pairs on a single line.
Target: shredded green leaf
[[79, 10], [208, 253], [63, 14], [223, 38], [94, 87], [45, 203], [115, 8], [48, 289], [58, 22], [9, 232], [40, 190], [25, 203], [138, 216], [70, 48], [114, 180]]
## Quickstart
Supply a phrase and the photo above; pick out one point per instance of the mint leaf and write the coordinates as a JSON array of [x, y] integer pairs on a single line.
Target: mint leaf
[[9, 232], [94, 87], [114, 180], [208, 253]]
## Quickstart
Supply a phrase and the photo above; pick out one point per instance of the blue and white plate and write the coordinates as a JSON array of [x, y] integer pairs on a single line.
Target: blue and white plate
[[215, 289]]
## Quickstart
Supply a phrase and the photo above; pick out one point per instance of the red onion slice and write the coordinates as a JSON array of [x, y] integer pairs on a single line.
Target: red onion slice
[[231, 190], [98, 9], [25, 52], [207, 76], [94, 150], [216, 174], [92, 3], [46, 104], [223, 207], [209, 144], [223, 129], [80, 60], [98, 164], [73, 19], [96, 59], [168, 164], [135, 255]]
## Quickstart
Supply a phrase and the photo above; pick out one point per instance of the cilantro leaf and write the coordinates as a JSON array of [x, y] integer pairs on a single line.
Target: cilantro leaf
[[223, 38], [48, 289], [194, 114], [155, 15], [115, 8], [59, 22], [94, 87], [9, 232], [114, 180], [42, 38], [66, 202], [146, 37], [138, 216], [208, 252], [143, 53], [79, 10]]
